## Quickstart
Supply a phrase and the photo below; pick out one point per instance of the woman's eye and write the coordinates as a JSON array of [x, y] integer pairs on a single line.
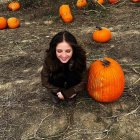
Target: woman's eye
[[59, 51], [68, 51]]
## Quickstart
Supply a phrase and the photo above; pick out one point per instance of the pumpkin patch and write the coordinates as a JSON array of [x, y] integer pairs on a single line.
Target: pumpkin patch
[[105, 80]]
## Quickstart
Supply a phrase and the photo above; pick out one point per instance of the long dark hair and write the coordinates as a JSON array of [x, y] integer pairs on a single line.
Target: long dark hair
[[78, 57]]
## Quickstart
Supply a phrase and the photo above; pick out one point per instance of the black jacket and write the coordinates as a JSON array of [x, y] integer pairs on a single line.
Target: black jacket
[[70, 78]]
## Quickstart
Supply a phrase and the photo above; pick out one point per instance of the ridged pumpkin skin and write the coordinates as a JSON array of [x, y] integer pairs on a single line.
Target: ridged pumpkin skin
[[105, 80], [81, 3], [3, 23], [102, 35], [65, 13]]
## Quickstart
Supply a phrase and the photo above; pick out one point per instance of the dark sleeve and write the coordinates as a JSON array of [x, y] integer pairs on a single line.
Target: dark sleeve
[[44, 80], [77, 88]]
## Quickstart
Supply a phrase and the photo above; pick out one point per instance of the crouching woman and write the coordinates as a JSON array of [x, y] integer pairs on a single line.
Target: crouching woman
[[64, 71]]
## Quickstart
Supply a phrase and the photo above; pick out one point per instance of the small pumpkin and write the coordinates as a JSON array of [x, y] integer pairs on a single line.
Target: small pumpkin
[[3, 23], [135, 1], [113, 1], [65, 13], [13, 22], [81, 3], [101, 35], [105, 80], [14, 6], [99, 1]]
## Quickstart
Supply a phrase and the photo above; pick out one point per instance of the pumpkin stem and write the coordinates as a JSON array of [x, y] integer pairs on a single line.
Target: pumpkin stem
[[106, 63], [98, 27]]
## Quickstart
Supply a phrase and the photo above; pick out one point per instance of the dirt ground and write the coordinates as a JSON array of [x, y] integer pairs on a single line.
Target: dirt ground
[[26, 111]]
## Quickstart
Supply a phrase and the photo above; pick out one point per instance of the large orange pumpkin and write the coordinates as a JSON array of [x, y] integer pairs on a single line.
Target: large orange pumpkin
[[3, 23], [65, 13], [101, 35], [105, 80], [13, 22], [14, 6], [81, 3]]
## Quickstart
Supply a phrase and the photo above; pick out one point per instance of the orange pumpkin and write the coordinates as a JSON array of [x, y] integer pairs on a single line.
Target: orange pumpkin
[[99, 1], [101, 35], [135, 1], [65, 13], [64, 8], [14, 6], [81, 3], [3, 23], [105, 80], [13, 22], [113, 1]]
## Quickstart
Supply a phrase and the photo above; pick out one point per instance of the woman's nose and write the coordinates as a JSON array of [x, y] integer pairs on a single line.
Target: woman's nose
[[64, 54]]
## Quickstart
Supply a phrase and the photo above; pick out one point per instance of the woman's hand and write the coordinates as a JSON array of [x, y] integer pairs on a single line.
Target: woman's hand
[[60, 96]]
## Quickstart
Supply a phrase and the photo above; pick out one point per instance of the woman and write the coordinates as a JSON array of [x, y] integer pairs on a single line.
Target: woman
[[64, 70]]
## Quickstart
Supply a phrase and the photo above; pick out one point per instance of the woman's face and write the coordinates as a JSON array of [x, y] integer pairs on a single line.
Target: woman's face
[[64, 52]]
